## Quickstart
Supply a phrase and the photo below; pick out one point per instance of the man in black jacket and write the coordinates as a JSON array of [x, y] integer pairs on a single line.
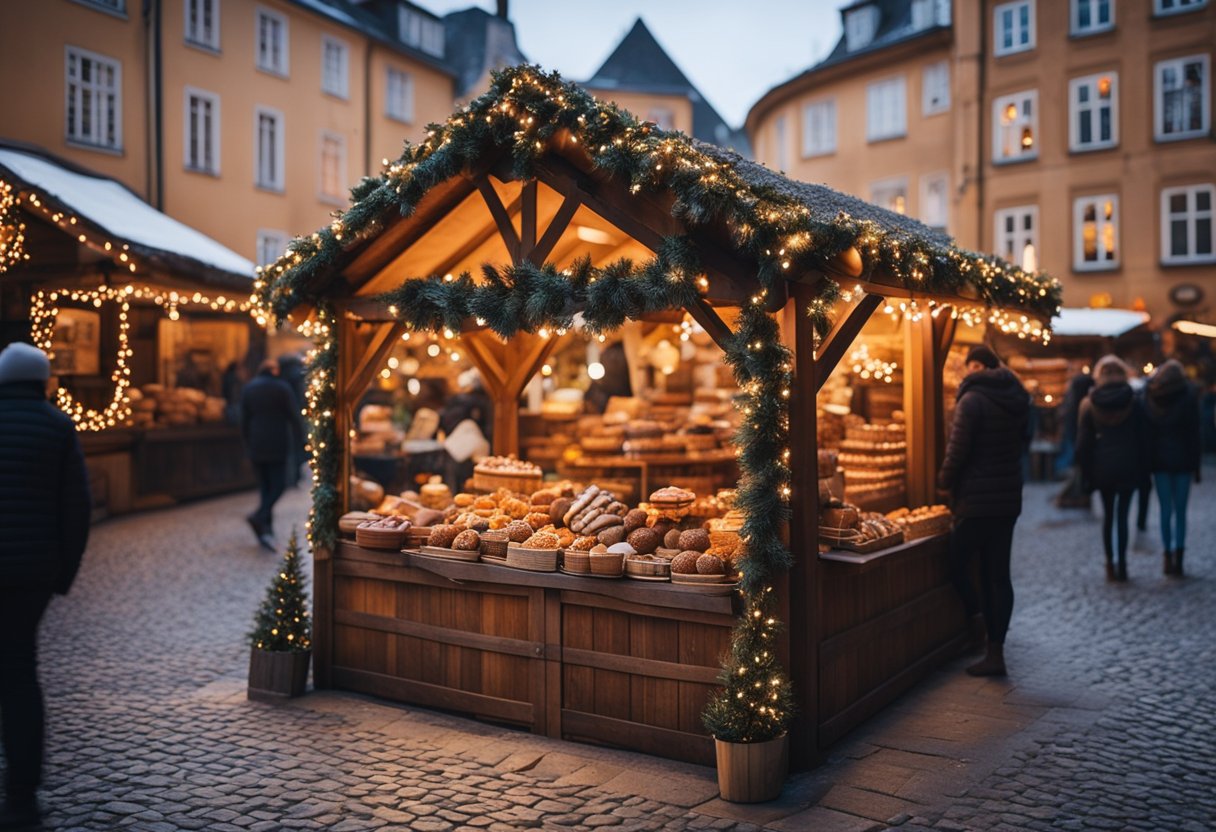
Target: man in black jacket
[[270, 424], [44, 526], [982, 471]]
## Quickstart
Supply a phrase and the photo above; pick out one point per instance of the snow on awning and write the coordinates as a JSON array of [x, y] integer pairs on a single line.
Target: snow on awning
[[111, 206], [1102, 323]]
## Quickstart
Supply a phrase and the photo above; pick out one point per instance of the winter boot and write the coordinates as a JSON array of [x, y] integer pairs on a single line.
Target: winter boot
[[1168, 565], [1110, 570], [1178, 563], [993, 663], [1122, 569]]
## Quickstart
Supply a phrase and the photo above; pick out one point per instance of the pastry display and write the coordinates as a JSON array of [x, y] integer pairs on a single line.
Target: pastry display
[[694, 539], [644, 540], [924, 521], [442, 536], [710, 565], [467, 540], [542, 540], [671, 540], [686, 562], [614, 534], [582, 544]]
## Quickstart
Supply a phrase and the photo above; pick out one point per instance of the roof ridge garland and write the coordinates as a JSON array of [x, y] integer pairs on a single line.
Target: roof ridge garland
[[525, 107]]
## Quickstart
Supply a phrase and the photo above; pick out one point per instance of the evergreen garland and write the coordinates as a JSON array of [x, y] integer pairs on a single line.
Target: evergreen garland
[[282, 622]]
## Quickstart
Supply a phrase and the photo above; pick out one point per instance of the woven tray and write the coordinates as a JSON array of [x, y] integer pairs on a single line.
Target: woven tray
[[686, 578], [576, 563], [450, 554], [380, 538], [708, 588], [835, 534], [650, 570], [610, 565], [494, 544], [533, 560]]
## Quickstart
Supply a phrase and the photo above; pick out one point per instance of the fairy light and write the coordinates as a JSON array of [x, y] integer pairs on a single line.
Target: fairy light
[[868, 367], [12, 230]]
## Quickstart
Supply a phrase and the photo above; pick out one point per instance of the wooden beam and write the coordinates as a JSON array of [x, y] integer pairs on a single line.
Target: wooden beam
[[922, 396], [383, 340], [481, 351], [843, 333], [558, 226], [714, 326], [945, 324], [527, 220], [506, 228]]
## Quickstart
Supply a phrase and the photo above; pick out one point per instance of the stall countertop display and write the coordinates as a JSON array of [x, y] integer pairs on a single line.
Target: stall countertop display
[[507, 181]]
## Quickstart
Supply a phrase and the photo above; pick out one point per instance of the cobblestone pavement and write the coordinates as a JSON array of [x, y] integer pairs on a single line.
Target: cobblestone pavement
[[1108, 720]]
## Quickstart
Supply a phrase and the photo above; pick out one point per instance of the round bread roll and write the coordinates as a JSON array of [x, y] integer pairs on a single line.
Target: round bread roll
[[537, 519], [610, 535], [480, 526], [710, 565], [599, 549], [428, 517], [671, 540], [468, 540], [582, 544], [518, 531], [663, 525], [442, 536], [635, 520], [644, 540], [544, 498], [685, 563], [542, 540], [558, 509], [697, 539]]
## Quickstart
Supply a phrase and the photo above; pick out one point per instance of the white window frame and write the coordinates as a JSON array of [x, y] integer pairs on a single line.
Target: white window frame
[[214, 132], [926, 181], [877, 93], [1074, 17], [277, 182], [1094, 107], [118, 8], [935, 74], [1205, 98], [998, 29], [819, 128], [270, 240], [860, 27], [999, 105], [1005, 243], [339, 86], [1079, 263], [891, 185], [406, 82], [1191, 216], [194, 38], [339, 194], [1179, 6], [265, 62], [781, 142], [97, 139]]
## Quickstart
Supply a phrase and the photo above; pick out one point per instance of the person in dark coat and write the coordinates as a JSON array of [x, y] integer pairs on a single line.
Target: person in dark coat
[[1175, 446], [293, 371], [270, 425], [44, 526], [982, 471], [1112, 443], [1072, 495]]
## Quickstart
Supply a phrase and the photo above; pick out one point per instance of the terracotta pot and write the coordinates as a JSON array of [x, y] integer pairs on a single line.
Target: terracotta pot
[[277, 674], [752, 772]]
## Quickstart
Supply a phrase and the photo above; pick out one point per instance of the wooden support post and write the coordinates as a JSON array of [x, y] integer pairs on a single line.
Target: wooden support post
[[561, 221], [922, 395], [714, 326], [502, 218], [802, 589], [843, 333], [506, 370], [527, 221], [944, 327], [383, 340]]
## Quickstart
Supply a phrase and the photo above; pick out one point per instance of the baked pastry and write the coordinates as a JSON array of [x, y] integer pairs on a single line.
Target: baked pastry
[[599, 549], [544, 498], [582, 544], [672, 495], [558, 509], [696, 539], [480, 526], [541, 540], [468, 540], [613, 534], [710, 565], [516, 508], [464, 499], [620, 549], [442, 536], [685, 563], [518, 531], [537, 519], [671, 540], [635, 520], [644, 540]]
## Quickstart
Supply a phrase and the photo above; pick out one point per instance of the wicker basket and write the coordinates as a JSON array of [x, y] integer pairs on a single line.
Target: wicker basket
[[608, 564], [573, 561], [494, 544], [380, 538], [691, 578], [647, 569], [534, 560], [493, 480]]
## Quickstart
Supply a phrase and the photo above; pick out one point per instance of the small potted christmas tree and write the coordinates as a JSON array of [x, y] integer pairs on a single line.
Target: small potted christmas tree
[[281, 641], [750, 716]]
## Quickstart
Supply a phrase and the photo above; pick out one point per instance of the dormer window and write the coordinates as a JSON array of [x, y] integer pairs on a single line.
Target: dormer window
[[860, 26]]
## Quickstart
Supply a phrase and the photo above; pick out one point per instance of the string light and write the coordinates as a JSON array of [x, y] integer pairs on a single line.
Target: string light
[[12, 230]]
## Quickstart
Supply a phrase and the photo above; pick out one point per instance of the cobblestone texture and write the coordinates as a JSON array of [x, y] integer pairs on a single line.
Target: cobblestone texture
[[1108, 720]]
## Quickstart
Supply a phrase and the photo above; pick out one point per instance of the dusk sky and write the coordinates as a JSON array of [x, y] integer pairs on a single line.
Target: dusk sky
[[733, 52]]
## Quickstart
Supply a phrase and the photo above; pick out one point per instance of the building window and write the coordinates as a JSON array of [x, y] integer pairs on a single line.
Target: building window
[[1177, 6], [333, 167], [399, 96], [335, 63], [1015, 127], [271, 42], [935, 199], [93, 99], [202, 131], [420, 31], [115, 6], [271, 245], [203, 23], [662, 117], [1095, 233], [269, 157], [1093, 103], [782, 141], [860, 25], [891, 194], [1016, 228], [1014, 23], [1181, 98], [1088, 17], [1186, 224], [819, 128], [886, 113], [935, 88]]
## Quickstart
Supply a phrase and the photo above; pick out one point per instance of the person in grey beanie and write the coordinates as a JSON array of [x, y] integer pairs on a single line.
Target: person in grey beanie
[[44, 526]]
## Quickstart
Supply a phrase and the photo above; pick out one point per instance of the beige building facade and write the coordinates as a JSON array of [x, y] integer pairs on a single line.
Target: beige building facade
[[1080, 127]]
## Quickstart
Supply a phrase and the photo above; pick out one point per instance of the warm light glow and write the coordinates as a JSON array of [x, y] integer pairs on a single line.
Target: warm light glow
[[595, 370], [593, 235], [414, 386], [433, 350], [1195, 328], [546, 370]]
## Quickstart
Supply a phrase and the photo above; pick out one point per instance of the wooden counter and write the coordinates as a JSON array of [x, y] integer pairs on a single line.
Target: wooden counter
[[619, 662]]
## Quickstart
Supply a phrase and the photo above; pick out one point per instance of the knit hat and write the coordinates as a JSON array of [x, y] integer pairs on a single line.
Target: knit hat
[[1110, 369], [22, 362], [983, 355], [1169, 378]]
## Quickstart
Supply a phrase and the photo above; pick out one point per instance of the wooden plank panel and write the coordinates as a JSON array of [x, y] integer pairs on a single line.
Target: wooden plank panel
[[610, 634], [637, 666], [653, 663], [675, 745], [434, 696], [578, 683]]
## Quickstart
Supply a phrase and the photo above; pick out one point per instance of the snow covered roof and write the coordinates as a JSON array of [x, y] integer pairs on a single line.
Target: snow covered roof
[[113, 208], [1103, 323]]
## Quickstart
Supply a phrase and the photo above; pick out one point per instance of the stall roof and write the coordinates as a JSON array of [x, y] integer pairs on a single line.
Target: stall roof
[[1097, 323], [111, 207]]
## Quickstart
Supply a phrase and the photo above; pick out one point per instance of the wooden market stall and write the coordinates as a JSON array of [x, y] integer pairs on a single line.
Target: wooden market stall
[[141, 315], [758, 264]]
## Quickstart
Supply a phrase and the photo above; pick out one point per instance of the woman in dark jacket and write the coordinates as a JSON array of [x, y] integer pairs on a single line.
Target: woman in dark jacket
[[1172, 407], [1112, 442]]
